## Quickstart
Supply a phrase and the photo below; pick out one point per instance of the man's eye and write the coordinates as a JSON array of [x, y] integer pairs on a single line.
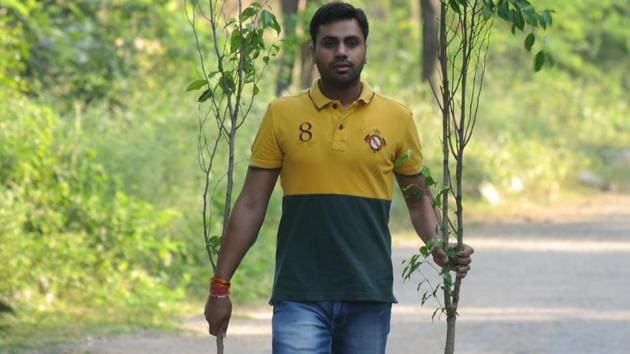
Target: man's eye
[[352, 43], [329, 44]]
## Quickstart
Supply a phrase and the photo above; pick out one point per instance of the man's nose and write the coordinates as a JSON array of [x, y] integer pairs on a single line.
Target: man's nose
[[342, 51]]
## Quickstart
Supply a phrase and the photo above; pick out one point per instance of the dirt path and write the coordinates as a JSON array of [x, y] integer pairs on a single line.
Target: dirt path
[[548, 285]]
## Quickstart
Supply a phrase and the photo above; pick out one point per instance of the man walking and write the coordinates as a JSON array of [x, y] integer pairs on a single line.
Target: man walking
[[334, 148]]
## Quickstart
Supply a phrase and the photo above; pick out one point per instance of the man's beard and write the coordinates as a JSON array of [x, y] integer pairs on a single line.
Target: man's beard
[[330, 78]]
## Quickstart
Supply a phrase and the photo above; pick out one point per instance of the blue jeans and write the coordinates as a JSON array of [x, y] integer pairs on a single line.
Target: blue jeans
[[330, 327]]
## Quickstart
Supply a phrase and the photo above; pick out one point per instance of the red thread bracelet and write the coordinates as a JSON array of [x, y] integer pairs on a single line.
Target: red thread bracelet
[[219, 281], [219, 288]]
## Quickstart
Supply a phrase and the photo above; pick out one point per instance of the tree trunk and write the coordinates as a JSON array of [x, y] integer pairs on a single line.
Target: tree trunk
[[430, 11], [287, 57], [308, 71]]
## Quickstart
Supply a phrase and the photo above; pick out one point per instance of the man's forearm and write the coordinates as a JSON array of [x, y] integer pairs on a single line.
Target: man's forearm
[[419, 202], [244, 224], [424, 218]]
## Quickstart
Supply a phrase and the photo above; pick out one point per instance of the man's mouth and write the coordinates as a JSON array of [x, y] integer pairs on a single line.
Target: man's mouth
[[341, 67]]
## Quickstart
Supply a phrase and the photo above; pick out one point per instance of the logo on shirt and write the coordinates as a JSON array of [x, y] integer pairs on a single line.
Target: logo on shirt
[[375, 141]]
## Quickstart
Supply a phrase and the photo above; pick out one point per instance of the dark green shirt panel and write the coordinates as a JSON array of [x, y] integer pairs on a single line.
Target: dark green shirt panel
[[333, 248]]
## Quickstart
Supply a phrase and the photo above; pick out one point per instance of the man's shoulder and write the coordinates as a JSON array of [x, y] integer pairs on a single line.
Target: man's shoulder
[[290, 102], [391, 105]]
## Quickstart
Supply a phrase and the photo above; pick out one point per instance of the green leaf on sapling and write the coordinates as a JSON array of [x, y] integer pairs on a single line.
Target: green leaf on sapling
[[424, 251], [205, 95], [270, 21], [454, 5], [402, 158], [196, 85], [539, 61], [529, 41], [486, 11], [519, 21], [248, 13], [235, 41]]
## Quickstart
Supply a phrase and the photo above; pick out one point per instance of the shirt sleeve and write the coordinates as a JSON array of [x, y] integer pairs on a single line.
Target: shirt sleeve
[[266, 152], [409, 158]]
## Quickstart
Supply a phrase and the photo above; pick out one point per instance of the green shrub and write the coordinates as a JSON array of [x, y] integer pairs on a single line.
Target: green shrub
[[72, 241]]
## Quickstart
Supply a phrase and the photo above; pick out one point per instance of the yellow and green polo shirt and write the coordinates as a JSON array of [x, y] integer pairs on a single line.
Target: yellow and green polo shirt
[[337, 170]]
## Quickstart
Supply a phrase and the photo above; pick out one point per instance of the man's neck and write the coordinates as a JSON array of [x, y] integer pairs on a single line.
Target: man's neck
[[347, 95]]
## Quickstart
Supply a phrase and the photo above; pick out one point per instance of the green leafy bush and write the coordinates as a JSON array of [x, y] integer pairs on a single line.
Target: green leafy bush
[[71, 239]]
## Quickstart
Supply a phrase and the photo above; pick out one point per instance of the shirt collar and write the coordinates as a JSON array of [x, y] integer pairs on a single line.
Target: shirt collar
[[319, 100]]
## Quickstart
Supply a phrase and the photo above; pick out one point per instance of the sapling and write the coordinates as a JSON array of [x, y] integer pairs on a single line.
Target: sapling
[[230, 85], [464, 36]]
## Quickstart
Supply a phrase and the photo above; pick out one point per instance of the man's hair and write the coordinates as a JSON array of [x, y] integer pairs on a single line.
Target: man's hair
[[337, 11]]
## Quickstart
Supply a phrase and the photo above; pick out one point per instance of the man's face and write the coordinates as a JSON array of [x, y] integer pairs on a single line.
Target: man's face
[[339, 53]]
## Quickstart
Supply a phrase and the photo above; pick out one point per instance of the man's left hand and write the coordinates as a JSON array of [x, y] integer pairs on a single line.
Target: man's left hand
[[459, 264]]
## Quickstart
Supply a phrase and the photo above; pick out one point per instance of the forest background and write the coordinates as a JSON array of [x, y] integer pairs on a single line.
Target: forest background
[[100, 191]]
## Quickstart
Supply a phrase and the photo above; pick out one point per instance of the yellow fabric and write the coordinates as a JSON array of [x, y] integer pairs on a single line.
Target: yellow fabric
[[324, 149]]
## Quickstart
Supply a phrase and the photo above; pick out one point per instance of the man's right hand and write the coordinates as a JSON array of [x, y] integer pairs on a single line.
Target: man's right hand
[[218, 312]]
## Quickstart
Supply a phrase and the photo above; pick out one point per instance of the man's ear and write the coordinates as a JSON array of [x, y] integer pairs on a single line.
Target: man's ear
[[312, 48]]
